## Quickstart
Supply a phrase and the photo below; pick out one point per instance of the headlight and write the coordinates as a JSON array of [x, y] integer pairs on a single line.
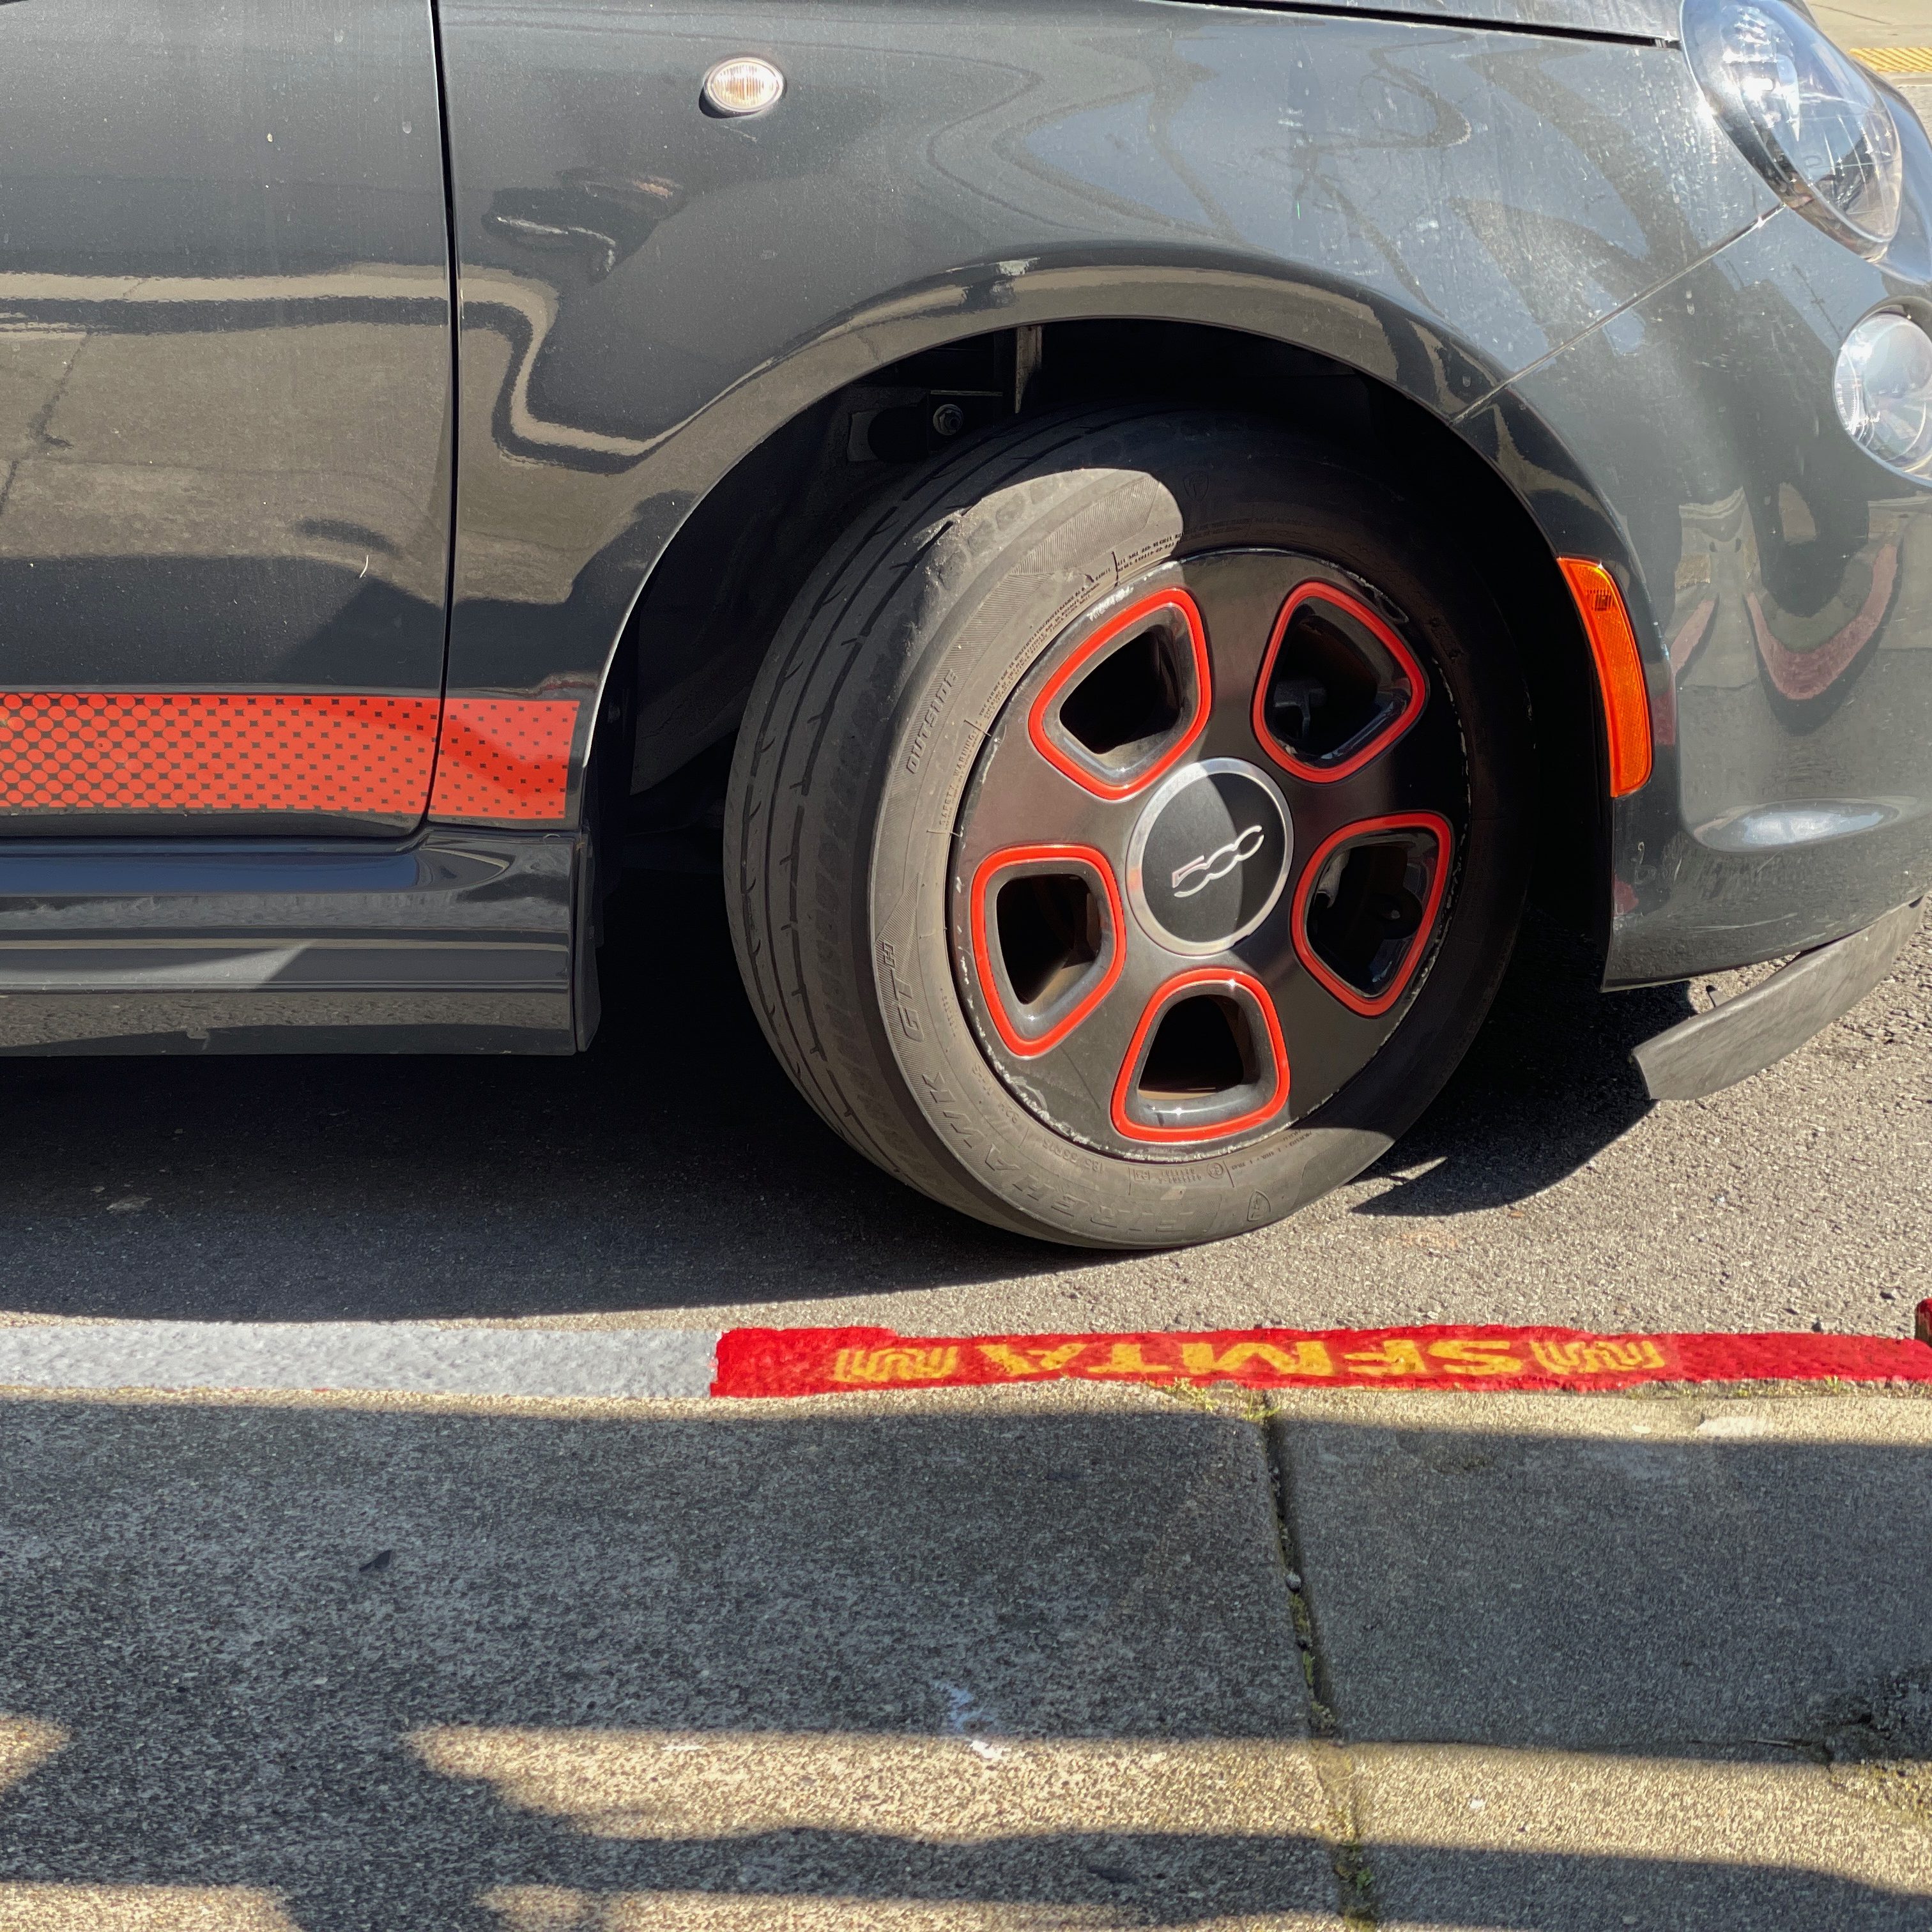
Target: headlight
[[1808, 118], [1883, 389]]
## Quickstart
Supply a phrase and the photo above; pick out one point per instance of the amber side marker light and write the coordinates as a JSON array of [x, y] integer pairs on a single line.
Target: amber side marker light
[[1619, 671]]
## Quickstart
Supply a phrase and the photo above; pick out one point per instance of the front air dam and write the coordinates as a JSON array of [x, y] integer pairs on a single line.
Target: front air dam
[[1745, 1035]]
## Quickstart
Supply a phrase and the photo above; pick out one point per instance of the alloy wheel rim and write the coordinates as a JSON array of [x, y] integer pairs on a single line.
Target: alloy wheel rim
[[1207, 854]]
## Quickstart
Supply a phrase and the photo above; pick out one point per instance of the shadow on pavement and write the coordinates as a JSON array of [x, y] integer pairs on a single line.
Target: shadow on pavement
[[461, 1671], [673, 1165], [1548, 1085]]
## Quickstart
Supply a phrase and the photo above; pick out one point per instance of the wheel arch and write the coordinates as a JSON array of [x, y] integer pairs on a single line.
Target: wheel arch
[[1314, 352]]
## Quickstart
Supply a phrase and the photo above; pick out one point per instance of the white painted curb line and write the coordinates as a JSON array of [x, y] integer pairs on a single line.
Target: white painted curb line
[[360, 1357]]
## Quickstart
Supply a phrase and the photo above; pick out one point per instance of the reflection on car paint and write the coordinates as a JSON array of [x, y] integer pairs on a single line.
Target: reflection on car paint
[[1799, 545], [225, 394], [931, 174]]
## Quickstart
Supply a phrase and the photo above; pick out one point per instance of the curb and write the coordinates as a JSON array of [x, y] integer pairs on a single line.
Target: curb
[[359, 1358], [606, 1364]]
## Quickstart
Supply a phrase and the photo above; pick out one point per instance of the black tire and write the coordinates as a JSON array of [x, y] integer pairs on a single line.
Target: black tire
[[861, 739]]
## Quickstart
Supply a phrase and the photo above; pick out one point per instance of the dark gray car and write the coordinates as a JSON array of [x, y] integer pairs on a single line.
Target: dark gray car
[[1135, 532]]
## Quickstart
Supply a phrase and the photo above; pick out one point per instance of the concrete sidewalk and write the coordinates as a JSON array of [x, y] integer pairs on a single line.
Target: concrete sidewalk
[[1875, 23], [1606, 1662], [1068, 1657]]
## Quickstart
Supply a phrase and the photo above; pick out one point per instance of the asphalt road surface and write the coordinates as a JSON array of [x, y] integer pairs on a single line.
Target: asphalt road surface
[[672, 1177]]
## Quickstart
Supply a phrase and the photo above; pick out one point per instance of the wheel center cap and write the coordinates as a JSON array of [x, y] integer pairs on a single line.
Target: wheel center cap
[[1209, 855]]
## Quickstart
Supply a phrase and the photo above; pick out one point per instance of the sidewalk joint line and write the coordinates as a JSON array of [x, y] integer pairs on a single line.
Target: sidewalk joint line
[[1334, 1763]]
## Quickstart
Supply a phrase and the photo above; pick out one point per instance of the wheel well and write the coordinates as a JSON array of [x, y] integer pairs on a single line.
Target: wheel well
[[707, 615]]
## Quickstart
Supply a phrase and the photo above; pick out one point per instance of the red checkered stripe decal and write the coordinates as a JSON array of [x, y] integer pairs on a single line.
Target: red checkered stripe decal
[[202, 751], [504, 758], [499, 759]]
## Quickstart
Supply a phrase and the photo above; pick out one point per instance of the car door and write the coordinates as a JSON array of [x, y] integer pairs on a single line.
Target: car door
[[225, 416]]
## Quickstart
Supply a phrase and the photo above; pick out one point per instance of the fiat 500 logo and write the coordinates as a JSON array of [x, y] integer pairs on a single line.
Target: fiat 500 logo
[[1217, 865]]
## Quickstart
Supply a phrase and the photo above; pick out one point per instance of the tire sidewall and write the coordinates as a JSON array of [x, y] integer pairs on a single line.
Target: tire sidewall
[[1202, 486]]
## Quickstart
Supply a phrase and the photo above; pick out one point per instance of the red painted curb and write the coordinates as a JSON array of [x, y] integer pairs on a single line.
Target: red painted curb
[[825, 1361]]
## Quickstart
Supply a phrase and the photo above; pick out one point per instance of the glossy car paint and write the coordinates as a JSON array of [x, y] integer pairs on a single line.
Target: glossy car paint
[[1654, 20], [226, 390], [1515, 212], [1785, 581], [647, 291], [224, 372]]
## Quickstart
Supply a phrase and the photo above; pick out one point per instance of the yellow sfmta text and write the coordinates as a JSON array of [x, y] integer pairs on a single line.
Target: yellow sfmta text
[[1125, 1358], [1397, 1356], [1030, 1361], [1306, 1358], [1470, 1355]]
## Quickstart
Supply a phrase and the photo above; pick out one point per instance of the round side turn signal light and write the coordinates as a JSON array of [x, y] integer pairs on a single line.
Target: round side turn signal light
[[744, 85]]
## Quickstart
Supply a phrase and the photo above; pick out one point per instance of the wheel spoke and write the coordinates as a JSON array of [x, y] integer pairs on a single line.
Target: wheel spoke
[[1366, 904], [1328, 1044], [1238, 594], [1206, 1061], [1338, 685], [1048, 940], [1422, 771], [1120, 701]]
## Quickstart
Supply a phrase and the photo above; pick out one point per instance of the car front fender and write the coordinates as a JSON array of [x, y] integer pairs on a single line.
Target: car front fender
[[647, 291]]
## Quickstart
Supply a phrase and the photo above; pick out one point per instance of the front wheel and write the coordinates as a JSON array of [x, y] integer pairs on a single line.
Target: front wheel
[[1125, 834]]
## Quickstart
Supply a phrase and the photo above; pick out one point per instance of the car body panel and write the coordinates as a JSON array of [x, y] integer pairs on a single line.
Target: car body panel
[[1652, 20], [1781, 584], [1531, 228], [225, 405], [648, 292]]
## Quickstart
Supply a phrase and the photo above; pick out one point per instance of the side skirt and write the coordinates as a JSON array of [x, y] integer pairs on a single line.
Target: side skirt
[[457, 942]]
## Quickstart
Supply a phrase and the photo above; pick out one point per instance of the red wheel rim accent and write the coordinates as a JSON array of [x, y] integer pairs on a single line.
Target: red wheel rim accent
[[1315, 591], [1206, 975], [983, 958], [1096, 646], [1402, 821]]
